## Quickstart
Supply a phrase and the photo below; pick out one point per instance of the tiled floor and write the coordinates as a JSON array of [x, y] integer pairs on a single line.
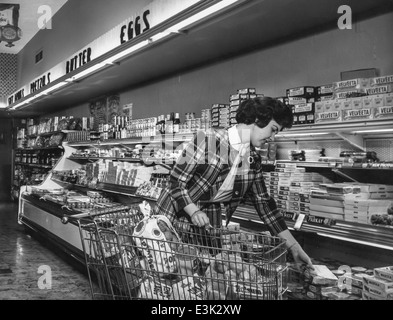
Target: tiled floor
[[21, 256]]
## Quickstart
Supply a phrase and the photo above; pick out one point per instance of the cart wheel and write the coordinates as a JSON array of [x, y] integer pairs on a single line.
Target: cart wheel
[[64, 220]]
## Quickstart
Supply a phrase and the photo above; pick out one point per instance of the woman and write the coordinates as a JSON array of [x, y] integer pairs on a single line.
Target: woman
[[222, 167]]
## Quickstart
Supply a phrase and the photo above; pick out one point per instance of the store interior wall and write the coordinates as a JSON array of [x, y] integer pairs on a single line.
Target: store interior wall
[[74, 26], [313, 60], [5, 158], [8, 71]]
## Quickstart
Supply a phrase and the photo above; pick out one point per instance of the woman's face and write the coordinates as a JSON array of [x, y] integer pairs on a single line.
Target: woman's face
[[260, 136]]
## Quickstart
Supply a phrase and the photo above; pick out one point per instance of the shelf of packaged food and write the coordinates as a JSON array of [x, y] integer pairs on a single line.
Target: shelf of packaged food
[[366, 234], [33, 165], [46, 134], [338, 165], [378, 126], [105, 158], [106, 187], [38, 149], [177, 137]]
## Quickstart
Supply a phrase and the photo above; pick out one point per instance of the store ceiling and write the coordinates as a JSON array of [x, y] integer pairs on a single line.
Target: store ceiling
[[255, 25], [28, 22]]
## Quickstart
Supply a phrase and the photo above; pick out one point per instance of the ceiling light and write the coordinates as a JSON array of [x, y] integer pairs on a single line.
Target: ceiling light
[[201, 15], [87, 72], [301, 134], [22, 103], [373, 131], [127, 52], [51, 89]]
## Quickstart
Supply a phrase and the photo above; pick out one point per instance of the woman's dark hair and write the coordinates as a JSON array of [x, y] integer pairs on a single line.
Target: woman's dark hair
[[262, 110]]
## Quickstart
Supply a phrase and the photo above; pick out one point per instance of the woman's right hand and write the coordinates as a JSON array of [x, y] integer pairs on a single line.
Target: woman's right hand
[[200, 219]]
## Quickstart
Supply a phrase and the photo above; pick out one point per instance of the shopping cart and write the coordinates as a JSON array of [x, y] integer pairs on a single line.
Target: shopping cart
[[180, 263]]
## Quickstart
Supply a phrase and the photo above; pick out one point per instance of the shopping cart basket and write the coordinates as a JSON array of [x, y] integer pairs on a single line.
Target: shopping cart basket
[[180, 262]]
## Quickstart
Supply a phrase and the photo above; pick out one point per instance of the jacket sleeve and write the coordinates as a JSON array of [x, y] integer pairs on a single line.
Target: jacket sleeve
[[266, 206], [184, 169]]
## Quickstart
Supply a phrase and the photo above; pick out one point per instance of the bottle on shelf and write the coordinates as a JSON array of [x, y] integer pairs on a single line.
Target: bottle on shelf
[[169, 123], [176, 123], [161, 124]]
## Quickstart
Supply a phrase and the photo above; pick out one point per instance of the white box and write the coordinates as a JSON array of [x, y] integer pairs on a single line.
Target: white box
[[384, 273], [327, 202], [335, 210], [377, 292], [381, 284]]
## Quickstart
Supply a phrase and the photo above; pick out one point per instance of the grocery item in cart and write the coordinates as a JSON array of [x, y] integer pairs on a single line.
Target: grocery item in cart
[[190, 288], [155, 238], [154, 288], [187, 260]]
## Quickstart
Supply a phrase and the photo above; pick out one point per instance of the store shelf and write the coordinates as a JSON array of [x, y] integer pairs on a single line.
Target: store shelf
[[38, 149], [105, 158], [106, 187], [180, 137], [370, 235], [33, 165], [338, 165], [332, 128]]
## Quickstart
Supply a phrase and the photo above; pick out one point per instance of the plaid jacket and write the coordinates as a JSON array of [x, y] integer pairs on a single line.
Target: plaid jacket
[[199, 173]]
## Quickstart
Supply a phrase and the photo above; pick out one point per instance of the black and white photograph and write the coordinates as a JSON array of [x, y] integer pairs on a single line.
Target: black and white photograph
[[196, 157]]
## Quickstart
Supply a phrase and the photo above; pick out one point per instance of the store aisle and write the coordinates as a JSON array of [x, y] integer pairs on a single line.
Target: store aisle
[[21, 256]]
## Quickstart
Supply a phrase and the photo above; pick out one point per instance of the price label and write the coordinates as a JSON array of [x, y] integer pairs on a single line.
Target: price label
[[299, 221]]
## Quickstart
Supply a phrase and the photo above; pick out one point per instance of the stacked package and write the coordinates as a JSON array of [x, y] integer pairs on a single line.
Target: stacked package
[[324, 92], [328, 201], [291, 187], [380, 285], [236, 99], [318, 284], [351, 201], [302, 99], [355, 99], [358, 210], [220, 115], [380, 92], [120, 173]]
